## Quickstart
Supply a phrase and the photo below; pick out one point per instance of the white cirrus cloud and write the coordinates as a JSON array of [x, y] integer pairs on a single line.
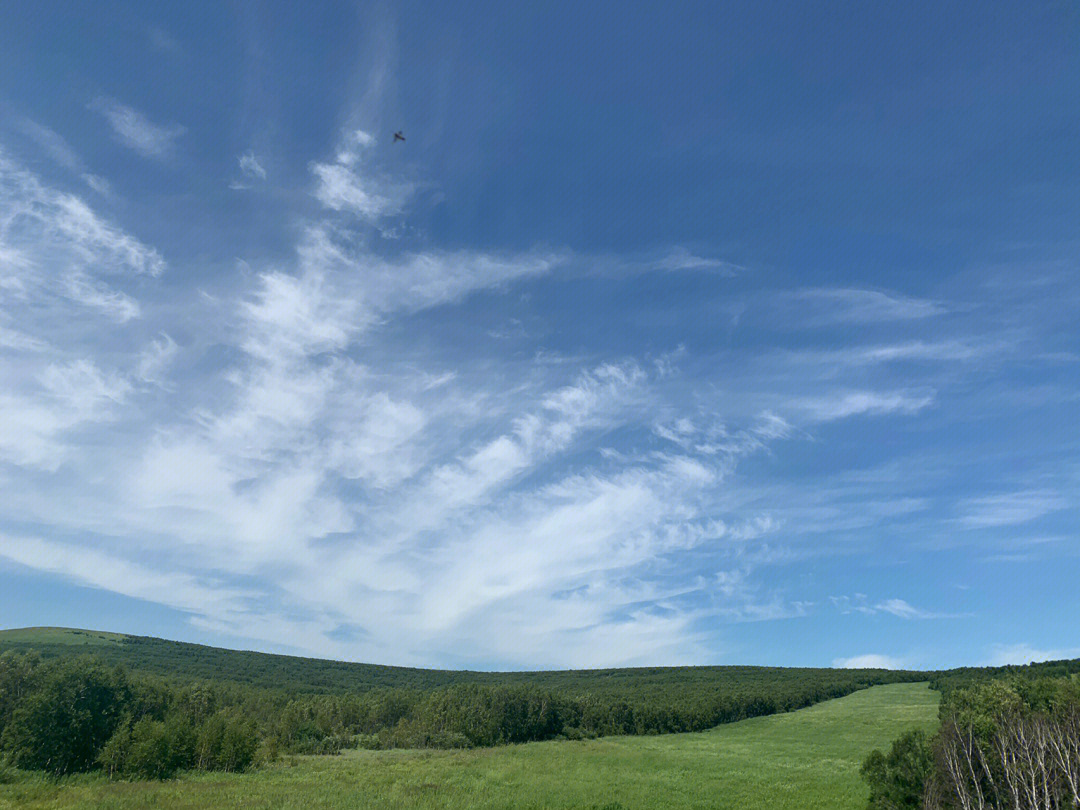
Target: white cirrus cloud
[[844, 404], [1010, 508], [832, 306], [136, 131], [682, 259], [50, 141], [154, 360], [112, 572], [65, 396], [60, 262], [895, 607], [903, 610], [251, 167], [350, 184], [48, 226], [912, 350]]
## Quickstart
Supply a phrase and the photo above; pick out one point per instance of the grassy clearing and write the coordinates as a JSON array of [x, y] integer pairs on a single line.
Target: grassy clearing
[[63, 636], [804, 760]]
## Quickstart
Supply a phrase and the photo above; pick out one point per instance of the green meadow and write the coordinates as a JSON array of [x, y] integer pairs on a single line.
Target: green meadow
[[803, 760]]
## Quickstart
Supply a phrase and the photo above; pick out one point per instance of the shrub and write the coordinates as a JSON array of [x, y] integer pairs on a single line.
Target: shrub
[[114, 756], [897, 779], [368, 742], [149, 755], [17, 675], [63, 724], [225, 744], [238, 746], [149, 749]]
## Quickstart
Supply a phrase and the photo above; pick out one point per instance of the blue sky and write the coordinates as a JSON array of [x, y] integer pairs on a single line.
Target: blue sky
[[721, 333]]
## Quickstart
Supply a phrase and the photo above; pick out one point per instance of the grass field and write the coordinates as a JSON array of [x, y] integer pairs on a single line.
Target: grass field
[[804, 760]]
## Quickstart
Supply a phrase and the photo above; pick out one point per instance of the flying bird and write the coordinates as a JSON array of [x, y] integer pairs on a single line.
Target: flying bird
[[398, 136]]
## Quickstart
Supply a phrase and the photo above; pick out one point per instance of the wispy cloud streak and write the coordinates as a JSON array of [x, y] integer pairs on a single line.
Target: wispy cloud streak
[[136, 131]]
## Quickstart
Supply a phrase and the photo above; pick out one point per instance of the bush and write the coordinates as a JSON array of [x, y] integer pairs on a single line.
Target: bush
[[150, 756], [897, 779], [17, 677], [448, 739], [225, 744], [67, 716], [320, 745], [114, 756], [156, 749], [369, 742], [149, 749], [414, 734], [578, 733], [62, 725], [267, 751]]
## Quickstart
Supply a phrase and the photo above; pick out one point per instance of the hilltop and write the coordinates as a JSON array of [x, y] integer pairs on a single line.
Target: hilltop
[[187, 661]]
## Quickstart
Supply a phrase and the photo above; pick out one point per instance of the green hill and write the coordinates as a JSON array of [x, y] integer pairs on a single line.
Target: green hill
[[184, 661]]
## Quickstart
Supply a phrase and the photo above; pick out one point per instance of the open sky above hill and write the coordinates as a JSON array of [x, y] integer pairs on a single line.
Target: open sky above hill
[[706, 333]]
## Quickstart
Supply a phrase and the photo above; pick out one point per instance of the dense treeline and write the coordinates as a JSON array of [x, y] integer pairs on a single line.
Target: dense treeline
[[481, 715], [1009, 740], [72, 715], [951, 680]]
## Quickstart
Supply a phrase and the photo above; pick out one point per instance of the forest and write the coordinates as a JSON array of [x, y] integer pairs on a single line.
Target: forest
[[127, 718], [184, 661]]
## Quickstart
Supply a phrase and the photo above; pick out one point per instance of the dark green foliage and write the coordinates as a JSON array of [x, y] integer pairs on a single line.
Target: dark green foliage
[[510, 714], [115, 754], [66, 716], [1009, 740], [61, 722], [805, 760], [898, 779], [953, 679], [151, 753], [225, 743], [469, 715], [156, 749], [181, 661], [485, 716], [16, 678]]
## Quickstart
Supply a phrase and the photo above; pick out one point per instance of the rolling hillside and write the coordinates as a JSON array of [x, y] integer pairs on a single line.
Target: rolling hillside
[[184, 661]]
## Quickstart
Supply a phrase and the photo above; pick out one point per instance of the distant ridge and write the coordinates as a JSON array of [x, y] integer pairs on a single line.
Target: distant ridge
[[186, 661]]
